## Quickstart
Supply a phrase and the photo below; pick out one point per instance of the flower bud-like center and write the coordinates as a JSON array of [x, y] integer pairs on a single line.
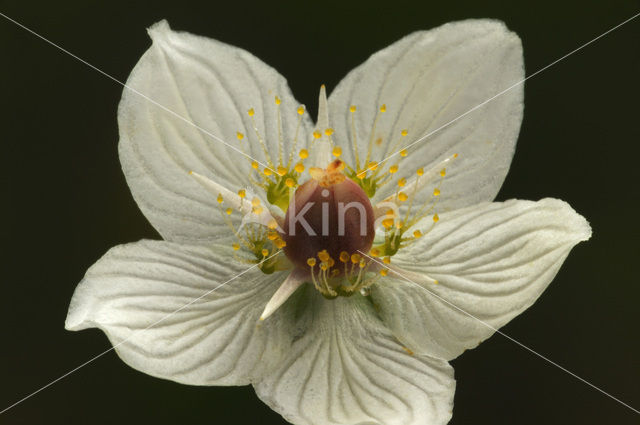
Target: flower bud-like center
[[329, 215]]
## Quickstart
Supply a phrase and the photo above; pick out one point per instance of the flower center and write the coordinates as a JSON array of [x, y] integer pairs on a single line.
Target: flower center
[[329, 220]]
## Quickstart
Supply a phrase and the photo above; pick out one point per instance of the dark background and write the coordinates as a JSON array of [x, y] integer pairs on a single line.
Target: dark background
[[65, 201]]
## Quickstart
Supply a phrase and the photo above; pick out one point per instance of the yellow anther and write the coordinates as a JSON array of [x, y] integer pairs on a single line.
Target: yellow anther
[[399, 224], [330, 262], [417, 233], [267, 171], [328, 131], [436, 192], [375, 252], [229, 211], [402, 182], [323, 255], [435, 218], [317, 134], [299, 167], [281, 171], [235, 246], [390, 213], [280, 243], [257, 210], [300, 110], [420, 171], [404, 133], [251, 112], [352, 108], [337, 151], [323, 267], [435, 282], [311, 262], [372, 165], [355, 258], [219, 198], [403, 153], [362, 264], [273, 224], [383, 108], [272, 236], [387, 223], [239, 135], [443, 172], [255, 202], [242, 193], [290, 182], [384, 272], [455, 155], [304, 153], [402, 197], [255, 165], [393, 169], [278, 101], [386, 260], [265, 252], [344, 256]]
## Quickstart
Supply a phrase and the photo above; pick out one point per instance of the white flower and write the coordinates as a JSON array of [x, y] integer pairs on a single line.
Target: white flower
[[343, 341]]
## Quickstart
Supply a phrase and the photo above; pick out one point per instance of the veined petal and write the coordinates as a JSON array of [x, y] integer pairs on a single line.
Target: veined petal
[[491, 261], [346, 368], [211, 87], [169, 313], [425, 81]]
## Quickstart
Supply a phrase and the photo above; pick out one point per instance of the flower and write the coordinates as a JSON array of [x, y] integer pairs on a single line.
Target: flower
[[343, 328]]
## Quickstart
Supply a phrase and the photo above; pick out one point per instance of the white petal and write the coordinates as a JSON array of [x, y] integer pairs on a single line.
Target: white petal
[[491, 261], [134, 293], [426, 80], [211, 85], [346, 368]]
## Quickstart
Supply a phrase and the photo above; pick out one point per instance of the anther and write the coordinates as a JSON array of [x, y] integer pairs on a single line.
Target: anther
[[277, 100], [355, 258], [352, 108], [251, 112], [403, 153], [436, 192], [443, 172], [402, 182], [311, 262], [420, 171], [328, 131], [375, 252], [255, 202], [299, 167], [239, 135], [304, 153], [317, 134], [290, 182], [219, 198], [435, 218], [404, 133], [383, 108], [267, 172], [242, 193], [344, 256], [384, 272], [417, 233], [235, 246], [255, 165], [337, 151], [229, 211], [386, 260], [265, 252], [393, 169], [402, 197], [281, 171]]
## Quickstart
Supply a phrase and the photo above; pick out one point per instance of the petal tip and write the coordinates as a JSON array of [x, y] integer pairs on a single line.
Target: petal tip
[[159, 29]]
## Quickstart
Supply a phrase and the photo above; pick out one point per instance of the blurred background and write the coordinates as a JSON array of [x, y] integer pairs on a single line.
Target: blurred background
[[65, 201]]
